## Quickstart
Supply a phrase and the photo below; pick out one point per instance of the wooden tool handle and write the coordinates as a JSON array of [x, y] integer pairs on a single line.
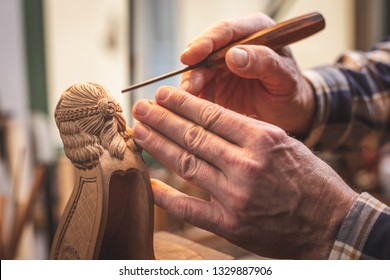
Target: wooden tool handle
[[277, 36]]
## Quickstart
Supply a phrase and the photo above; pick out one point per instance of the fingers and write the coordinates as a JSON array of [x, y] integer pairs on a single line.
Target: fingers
[[277, 73], [195, 138], [252, 62], [188, 166], [186, 134], [214, 118], [223, 33], [193, 210], [194, 81]]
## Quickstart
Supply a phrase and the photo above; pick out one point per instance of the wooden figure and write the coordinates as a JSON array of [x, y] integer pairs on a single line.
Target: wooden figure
[[110, 212]]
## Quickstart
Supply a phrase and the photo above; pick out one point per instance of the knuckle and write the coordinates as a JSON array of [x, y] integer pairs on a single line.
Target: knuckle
[[235, 224], [184, 209], [275, 135], [264, 18], [161, 118], [155, 145], [228, 225], [261, 151], [240, 200], [269, 136], [251, 168], [266, 56], [188, 212], [224, 30], [246, 164], [210, 114], [162, 198], [194, 136], [231, 159], [188, 166], [223, 25], [272, 58], [180, 99]]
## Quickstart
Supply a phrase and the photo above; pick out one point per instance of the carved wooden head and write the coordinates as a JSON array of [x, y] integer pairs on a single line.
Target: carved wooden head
[[90, 121], [110, 212]]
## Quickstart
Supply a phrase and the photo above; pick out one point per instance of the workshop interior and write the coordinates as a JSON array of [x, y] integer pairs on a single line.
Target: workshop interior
[[49, 45]]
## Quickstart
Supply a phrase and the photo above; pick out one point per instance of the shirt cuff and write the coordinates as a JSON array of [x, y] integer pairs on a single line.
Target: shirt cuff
[[364, 232]]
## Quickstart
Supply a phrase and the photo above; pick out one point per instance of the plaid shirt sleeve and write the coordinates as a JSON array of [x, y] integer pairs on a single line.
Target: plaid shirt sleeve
[[353, 100], [365, 233]]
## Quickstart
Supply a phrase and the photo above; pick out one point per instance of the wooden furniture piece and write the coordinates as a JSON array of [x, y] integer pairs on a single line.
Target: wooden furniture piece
[[110, 212]]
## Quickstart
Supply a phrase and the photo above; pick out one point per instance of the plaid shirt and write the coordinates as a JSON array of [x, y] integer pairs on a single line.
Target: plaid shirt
[[353, 100]]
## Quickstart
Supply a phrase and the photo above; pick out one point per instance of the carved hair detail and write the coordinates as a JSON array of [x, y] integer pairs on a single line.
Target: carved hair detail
[[90, 121]]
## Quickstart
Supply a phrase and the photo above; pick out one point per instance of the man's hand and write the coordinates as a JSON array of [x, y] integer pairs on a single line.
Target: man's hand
[[269, 193], [256, 80]]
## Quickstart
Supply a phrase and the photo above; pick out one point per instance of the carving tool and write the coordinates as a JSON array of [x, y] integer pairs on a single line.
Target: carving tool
[[275, 37]]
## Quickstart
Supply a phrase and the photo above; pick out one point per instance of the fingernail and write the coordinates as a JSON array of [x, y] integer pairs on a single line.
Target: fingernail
[[142, 107], [239, 57], [140, 132], [186, 50], [163, 94]]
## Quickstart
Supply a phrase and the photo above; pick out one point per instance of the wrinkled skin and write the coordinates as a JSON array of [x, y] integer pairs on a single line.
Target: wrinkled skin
[[269, 193], [256, 81]]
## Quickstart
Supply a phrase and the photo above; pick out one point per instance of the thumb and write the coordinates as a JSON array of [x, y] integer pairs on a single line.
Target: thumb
[[277, 74]]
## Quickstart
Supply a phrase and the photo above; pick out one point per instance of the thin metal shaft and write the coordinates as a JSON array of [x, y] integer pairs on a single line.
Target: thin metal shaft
[[162, 77], [274, 37]]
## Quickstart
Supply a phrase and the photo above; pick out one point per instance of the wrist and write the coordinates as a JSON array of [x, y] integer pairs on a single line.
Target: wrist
[[324, 204], [331, 206]]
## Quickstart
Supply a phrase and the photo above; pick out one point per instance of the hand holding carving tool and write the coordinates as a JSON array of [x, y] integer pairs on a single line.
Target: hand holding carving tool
[[275, 37]]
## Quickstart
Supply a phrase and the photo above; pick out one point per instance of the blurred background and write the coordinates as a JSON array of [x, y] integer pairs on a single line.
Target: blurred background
[[48, 45]]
